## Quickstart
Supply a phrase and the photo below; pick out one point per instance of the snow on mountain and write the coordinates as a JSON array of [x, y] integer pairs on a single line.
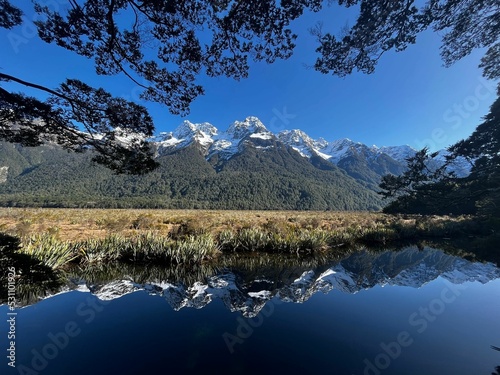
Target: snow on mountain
[[398, 153], [186, 134], [409, 267], [115, 289], [337, 150], [341, 148], [333, 151], [228, 143], [252, 131], [299, 141], [307, 147], [250, 126], [461, 166]]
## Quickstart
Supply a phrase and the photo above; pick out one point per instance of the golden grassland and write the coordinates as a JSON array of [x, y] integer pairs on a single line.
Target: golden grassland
[[83, 224], [57, 237]]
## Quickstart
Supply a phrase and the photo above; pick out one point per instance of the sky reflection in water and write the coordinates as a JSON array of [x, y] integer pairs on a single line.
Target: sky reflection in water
[[410, 312]]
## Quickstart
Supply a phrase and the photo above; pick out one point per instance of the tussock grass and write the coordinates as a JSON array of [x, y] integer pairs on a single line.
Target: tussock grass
[[289, 241], [191, 236], [48, 250], [146, 247]]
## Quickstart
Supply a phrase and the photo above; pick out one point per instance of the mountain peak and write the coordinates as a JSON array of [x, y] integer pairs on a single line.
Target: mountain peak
[[251, 125], [399, 153], [294, 136], [188, 129], [186, 133], [298, 140], [251, 131]]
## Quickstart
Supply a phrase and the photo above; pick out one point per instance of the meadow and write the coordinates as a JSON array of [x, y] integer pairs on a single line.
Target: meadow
[[57, 237]]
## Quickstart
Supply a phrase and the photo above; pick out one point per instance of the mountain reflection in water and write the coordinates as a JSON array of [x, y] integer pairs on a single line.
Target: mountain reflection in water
[[266, 314], [245, 283]]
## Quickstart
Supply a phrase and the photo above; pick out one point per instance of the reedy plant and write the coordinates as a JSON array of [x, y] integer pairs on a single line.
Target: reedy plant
[[48, 250]]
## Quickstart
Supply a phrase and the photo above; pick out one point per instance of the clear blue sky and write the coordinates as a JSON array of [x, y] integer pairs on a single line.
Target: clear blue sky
[[410, 99]]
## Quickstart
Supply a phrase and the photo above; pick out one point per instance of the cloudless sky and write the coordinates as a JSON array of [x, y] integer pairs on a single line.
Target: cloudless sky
[[410, 99]]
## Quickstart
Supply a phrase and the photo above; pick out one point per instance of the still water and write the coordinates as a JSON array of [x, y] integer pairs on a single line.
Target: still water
[[406, 312]]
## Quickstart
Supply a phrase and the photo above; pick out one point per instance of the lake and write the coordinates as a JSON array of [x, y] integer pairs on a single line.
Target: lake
[[412, 311]]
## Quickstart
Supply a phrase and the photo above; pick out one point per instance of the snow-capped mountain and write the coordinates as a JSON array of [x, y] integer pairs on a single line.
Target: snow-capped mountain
[[409, 267], [187, 133], [231, 141], [251, 126], [245, 167], [460, 166], [300, 142], [211, 141], [344, 153], [338, 150], [399, 153]]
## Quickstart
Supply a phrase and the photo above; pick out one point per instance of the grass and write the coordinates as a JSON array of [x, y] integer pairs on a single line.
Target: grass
[[146, 247], [60, 236], [48, 250]]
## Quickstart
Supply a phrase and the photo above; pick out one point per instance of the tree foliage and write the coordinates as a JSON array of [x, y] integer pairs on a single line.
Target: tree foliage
[[10, 16], [116, 34], [420, 190], [483, 146], [418, 175], [115, 128], [163, 46], [385, 25]]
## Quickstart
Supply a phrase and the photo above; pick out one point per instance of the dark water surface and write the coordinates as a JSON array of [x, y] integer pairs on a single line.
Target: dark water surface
[[406, 312]]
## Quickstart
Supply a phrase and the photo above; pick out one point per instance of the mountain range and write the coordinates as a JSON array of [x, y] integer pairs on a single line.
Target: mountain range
[[344, 153], [245, 167]]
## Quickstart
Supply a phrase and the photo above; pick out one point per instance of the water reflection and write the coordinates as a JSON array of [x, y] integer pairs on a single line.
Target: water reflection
[[33, 279], [246, 283], [327, 324]]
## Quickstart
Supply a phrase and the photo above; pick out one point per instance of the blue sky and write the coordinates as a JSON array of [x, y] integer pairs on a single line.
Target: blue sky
[[410, 99]]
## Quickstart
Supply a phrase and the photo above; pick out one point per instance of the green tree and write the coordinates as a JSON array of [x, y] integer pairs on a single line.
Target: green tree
[[424, 187], [419, 175], [483, 147], [423, 190]]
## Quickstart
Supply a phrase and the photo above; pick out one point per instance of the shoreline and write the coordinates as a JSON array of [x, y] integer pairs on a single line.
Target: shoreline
[[88, 236]]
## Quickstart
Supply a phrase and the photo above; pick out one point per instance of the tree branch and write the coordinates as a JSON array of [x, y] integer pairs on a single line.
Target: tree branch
[[34, 85]]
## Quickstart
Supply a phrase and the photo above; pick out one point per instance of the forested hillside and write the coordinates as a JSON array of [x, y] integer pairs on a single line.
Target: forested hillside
[[273, 178]]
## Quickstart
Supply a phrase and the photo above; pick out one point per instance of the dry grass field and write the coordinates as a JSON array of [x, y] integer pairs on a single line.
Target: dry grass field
[[57, 237], [81, 224]]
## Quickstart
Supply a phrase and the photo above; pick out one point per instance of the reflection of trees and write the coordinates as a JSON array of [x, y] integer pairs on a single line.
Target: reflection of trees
[[276, 267], [36, 280], [250, 269], [33, 279], [475, 249]]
